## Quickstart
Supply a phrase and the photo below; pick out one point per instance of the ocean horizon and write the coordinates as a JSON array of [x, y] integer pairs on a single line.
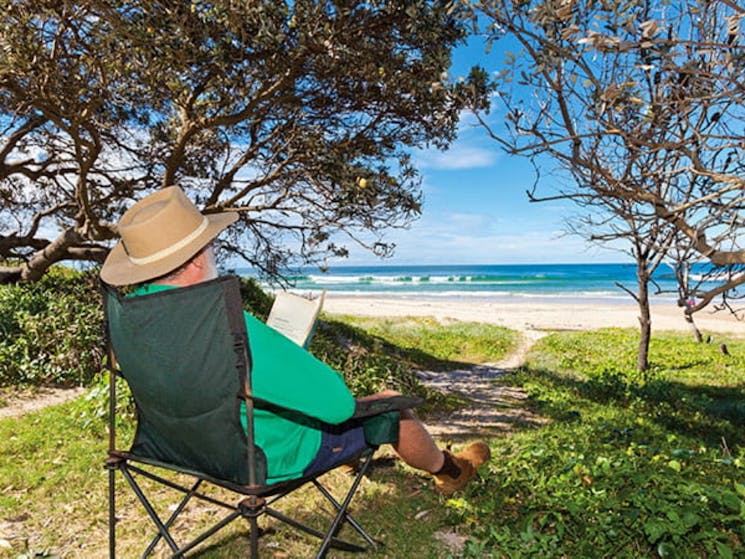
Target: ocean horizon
[[567, 282]]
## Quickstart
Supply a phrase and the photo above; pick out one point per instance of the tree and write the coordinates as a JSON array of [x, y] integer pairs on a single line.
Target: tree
[[640, 103], [299, 115], [612, 220]]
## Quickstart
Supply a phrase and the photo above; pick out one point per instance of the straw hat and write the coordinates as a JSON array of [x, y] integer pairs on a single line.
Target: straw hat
[[158, 234]]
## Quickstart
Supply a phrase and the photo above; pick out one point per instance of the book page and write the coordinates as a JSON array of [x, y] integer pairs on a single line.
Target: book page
[[295, 316]]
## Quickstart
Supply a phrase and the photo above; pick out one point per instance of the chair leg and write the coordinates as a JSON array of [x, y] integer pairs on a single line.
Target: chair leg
[[112, 512], [150, 510], [173, 517], [348, 517], [254, 526], [163, 528], [335, 542], [252, 507], [216, 528], [342, 511]]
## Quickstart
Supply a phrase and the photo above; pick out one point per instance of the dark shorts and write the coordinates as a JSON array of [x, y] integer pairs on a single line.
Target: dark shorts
[[339, 444]]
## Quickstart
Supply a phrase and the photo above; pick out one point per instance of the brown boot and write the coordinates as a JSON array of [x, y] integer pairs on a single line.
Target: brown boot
[[468, 460], [350, 468]]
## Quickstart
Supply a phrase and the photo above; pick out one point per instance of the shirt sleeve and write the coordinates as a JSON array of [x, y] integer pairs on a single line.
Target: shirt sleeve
[[287, 375]]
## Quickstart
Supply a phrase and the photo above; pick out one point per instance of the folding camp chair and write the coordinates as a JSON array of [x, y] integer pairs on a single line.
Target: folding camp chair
[[185, 356]]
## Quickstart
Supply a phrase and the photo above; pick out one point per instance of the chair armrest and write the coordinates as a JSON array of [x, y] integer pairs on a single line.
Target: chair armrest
[[370, 407], [363, 408]]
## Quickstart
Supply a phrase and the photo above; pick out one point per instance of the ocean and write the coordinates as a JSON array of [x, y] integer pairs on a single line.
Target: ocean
[[596, 282]]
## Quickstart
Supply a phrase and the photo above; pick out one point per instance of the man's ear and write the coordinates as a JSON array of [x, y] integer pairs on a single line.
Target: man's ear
[[198, 261]]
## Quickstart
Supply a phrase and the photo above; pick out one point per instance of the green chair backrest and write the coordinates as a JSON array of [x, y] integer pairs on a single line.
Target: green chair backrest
[[184, 353]]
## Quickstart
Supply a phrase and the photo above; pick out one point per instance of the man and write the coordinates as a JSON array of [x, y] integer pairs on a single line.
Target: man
[[166, 243]]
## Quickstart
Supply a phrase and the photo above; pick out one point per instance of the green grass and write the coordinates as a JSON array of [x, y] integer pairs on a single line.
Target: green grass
[[629, 467], [672, 355], [52, 479], [431, 343]]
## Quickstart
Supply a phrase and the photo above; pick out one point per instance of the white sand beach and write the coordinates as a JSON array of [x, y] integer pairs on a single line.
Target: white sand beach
[[532, 314]]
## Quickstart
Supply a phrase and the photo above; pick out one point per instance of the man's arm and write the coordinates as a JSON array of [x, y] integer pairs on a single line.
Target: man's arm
[[287, 375]]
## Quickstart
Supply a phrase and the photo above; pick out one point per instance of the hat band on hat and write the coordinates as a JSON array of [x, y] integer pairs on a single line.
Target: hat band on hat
[[168, 251]]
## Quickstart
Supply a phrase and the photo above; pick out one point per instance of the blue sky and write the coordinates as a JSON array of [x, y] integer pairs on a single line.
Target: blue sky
[[476, 210]]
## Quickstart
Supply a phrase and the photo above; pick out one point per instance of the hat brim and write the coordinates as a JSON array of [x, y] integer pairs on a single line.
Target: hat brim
[[118, 269]]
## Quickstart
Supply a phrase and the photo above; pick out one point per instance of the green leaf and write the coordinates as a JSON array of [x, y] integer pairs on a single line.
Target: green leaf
[[654, 529], [731, 501], [666, 549], [724, 551], [456, 503], [691, 519]]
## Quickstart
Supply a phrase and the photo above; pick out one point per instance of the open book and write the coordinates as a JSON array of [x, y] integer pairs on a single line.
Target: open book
[[295, 316]]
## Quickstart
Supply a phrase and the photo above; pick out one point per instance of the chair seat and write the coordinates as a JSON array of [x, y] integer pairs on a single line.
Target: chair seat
[[268, 490]]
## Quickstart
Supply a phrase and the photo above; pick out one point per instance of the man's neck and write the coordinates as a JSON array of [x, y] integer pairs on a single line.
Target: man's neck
[[198, 270], [173, 282]]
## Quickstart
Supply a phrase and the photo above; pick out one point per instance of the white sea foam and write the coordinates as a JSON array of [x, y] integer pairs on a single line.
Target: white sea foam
[[405, 279], [549, 282], [573, 297]]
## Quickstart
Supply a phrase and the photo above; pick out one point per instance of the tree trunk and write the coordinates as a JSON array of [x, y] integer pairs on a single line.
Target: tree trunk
[[645, 319], [694, 328], [55, 251]]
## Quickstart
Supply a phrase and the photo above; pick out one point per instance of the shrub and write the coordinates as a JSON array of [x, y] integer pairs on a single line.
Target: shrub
[[367, 365], [255, 300], [52, 330]]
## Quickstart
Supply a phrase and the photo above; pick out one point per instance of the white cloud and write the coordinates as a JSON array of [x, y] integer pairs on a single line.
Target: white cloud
[[458, 157], [468, 121]]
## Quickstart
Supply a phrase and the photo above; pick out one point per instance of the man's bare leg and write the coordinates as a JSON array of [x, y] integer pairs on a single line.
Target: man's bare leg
[[415, 445]]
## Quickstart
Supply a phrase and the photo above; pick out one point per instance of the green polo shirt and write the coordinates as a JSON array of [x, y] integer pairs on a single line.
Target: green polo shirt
[[287, 375]]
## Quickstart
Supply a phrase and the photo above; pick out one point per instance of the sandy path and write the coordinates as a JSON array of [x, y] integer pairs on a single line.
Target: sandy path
[[493, 408], [21, 404]]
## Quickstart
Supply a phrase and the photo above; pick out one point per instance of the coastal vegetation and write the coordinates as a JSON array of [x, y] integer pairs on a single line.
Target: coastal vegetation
[[627, 465], [434, 344], [51, 332], [630, 465]]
